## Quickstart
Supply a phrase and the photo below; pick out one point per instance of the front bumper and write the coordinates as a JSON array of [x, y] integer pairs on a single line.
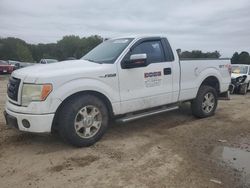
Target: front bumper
[[38, 123]]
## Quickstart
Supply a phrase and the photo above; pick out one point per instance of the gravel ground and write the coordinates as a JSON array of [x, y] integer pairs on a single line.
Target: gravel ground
[[173, 149]]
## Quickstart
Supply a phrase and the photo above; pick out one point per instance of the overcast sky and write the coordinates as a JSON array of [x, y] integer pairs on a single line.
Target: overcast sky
[[208, 25]]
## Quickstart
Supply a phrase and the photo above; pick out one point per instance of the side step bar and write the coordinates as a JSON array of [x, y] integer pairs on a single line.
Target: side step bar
[[145, 114]]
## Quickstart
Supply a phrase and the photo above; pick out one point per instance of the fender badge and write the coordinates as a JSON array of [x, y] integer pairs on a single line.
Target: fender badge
[[108, 75]]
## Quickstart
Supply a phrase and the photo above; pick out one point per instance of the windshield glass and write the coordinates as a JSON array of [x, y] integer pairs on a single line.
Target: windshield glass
[[108, 51], [239, 69]]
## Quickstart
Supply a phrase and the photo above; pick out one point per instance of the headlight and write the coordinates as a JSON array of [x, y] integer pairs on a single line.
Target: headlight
[[35, 92]]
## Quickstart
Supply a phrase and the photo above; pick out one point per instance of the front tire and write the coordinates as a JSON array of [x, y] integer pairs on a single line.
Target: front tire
[[83, 120], [205, 103]]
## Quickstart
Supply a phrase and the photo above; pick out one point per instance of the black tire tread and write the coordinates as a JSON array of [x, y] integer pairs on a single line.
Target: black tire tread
[[67, 115]]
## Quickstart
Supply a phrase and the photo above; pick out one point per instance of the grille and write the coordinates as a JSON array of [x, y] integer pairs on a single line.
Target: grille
[[13, 87]]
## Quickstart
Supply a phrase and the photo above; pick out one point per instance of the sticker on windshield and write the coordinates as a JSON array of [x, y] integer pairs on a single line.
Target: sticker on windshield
[[153, 79]]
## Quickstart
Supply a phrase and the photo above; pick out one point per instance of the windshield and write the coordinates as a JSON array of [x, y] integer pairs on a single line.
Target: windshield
[[239, 69], [108, 51]]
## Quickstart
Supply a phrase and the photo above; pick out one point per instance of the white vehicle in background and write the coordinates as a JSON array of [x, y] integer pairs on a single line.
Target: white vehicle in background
[[122, 78], [241, 70], [48, 61]]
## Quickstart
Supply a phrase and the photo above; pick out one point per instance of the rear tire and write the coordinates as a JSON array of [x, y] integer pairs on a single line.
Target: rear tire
[[205, 103], [83, 120]]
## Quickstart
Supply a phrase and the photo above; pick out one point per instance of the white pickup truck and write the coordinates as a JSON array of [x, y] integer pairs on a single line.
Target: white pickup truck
[[122, 78]]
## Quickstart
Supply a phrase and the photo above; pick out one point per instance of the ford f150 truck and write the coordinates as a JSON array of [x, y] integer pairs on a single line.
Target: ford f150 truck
[[122, 78]]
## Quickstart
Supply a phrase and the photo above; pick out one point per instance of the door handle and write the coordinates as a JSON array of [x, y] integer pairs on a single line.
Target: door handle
[[167, 71]]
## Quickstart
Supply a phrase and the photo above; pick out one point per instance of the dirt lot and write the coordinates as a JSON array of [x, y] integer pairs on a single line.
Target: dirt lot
[[173, 149]]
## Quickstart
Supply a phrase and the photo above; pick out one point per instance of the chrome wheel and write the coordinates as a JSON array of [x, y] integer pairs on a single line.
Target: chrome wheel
[[88, 121], [208, 102]]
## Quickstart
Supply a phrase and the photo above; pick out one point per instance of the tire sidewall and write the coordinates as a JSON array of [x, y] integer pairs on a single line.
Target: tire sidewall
[[69, 113]]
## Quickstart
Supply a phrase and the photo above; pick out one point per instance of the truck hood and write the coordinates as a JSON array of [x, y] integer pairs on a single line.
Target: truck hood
[[66, 68]]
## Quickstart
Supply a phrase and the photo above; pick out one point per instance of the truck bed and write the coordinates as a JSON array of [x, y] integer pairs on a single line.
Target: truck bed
[[194, 71]]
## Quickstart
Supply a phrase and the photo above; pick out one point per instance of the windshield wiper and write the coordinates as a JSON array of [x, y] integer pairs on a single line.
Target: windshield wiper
[[91, 60]]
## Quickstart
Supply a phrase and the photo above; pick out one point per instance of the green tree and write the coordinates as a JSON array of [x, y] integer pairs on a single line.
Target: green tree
[[44, 51], [243, 58], [68, 46], [235, 58], [14, 49], [198, 54], [23, 53]]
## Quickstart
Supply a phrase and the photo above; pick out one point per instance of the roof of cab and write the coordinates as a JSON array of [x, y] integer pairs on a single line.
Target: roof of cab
[[137, 36]]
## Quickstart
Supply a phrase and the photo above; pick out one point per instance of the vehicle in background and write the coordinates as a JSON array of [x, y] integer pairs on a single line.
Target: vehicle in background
[[14, 63], [122, 78], [48, 61], [25, 64], [19, 65], [238, 85], [241, 70], [5, 68]]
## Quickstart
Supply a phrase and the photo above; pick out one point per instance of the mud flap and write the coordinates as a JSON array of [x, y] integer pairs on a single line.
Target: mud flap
[[224, 96]]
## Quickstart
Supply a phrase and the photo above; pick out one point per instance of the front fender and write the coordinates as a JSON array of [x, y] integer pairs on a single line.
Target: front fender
[[78, 85]]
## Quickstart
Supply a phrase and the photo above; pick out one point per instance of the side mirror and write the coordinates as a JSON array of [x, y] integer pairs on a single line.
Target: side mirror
[[136, 60], [138, 57]]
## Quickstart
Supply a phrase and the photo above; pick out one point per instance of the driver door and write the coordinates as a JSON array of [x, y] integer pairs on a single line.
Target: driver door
[[147, 83]]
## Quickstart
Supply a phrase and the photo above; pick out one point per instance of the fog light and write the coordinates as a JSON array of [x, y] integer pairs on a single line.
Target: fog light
[[26, 123]]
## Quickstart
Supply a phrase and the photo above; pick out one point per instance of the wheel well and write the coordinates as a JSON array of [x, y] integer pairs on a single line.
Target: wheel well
[[213, 82], [94, 93]]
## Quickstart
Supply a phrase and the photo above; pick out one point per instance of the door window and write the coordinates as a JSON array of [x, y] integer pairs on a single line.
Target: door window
[[153, 49]]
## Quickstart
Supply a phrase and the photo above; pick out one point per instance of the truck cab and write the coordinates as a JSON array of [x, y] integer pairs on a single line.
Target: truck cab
[[122, 78]]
